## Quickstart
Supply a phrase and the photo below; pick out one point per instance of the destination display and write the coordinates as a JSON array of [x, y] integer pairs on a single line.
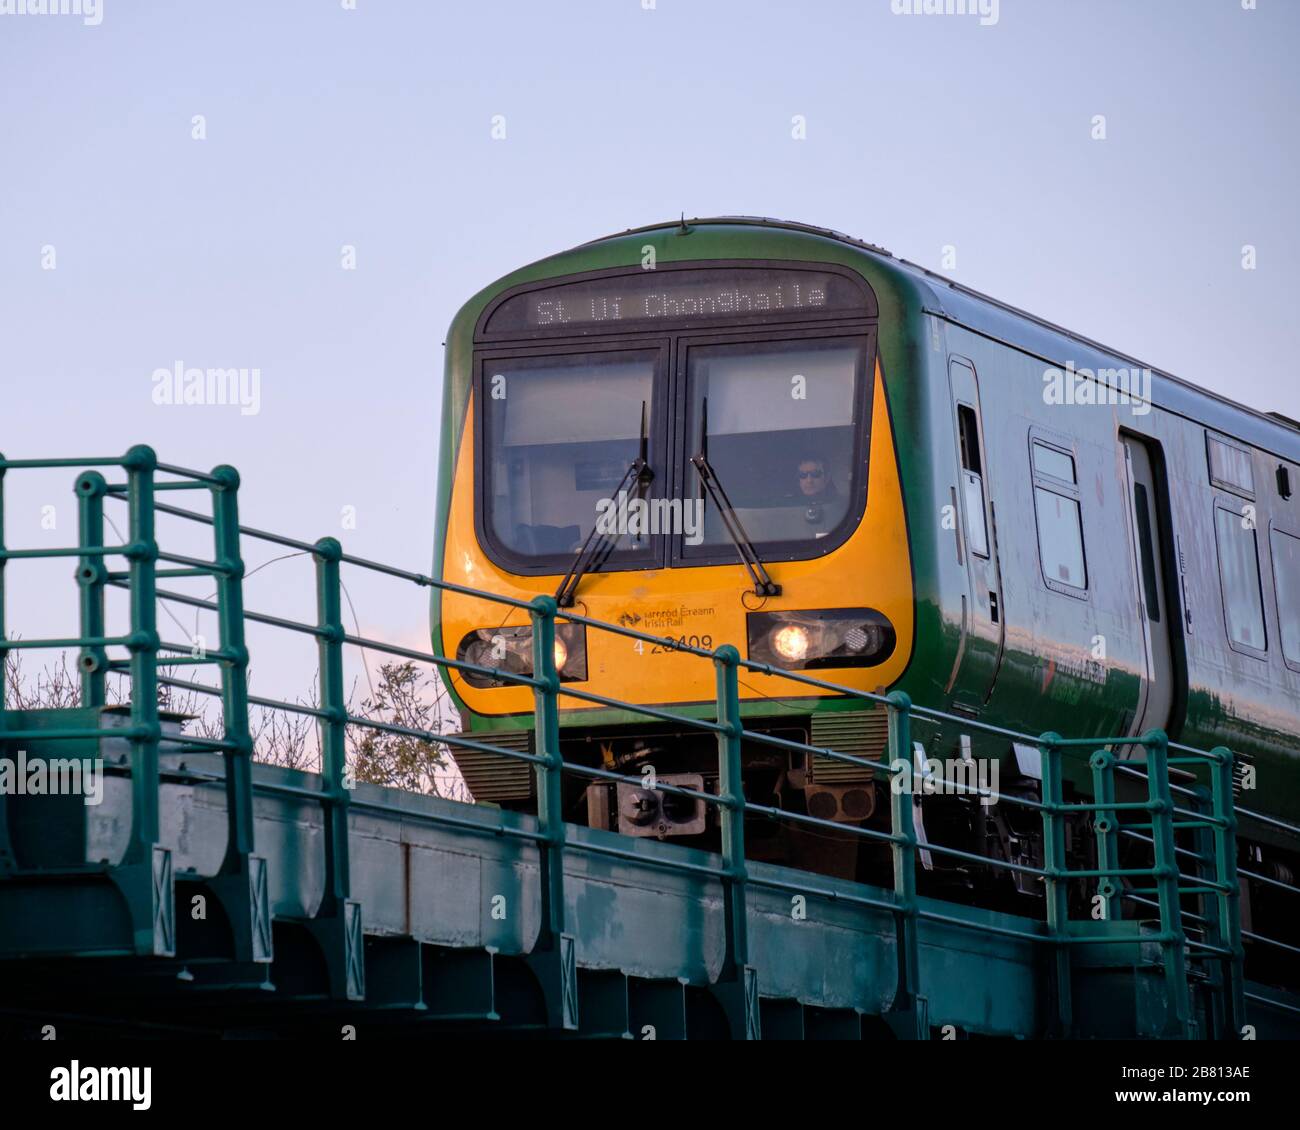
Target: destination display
[[732, 294]]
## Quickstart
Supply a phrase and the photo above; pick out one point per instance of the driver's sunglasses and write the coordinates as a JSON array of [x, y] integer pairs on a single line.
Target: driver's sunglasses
[[812, 474]]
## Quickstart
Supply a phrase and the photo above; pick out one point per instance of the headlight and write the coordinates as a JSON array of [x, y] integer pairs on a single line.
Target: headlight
[[832, 637], [790, 642], [511, 650]]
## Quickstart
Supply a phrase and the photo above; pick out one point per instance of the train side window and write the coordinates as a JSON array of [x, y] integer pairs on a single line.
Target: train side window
[[1243, 599], [1059, 519], [970, 439], [1286, 583], [972, 478], [1050, 461], [1230, 466]]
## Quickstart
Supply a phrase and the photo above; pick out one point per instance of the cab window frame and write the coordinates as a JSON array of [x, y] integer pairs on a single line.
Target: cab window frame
[[686, 479], [659, 429]]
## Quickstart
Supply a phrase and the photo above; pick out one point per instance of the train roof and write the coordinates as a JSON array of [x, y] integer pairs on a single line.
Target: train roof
[[1270, 431]]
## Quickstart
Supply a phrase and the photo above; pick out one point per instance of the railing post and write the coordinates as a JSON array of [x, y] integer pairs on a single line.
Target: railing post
[[91, 577], [142, 555], [338, 923], [909, 1007], [242, 882], [333, 700], [234, 672], [1172, 939], [738, 982], [1054, 864], [145, 874], [1228, 901], [732, 793], [550, 771], [555, 958], [1106, 829]]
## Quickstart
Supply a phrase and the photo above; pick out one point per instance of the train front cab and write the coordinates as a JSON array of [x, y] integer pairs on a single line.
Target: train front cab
[[690, 416]]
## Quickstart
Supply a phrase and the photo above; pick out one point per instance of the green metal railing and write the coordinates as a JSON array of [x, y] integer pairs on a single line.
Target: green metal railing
[[1203, 811]]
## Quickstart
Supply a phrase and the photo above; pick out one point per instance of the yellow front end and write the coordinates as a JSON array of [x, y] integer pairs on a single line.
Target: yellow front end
[[703, 606]]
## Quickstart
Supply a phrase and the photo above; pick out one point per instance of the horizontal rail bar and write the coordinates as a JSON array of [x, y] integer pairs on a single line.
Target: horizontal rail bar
[[1130, 771], [1114, 806], [212, 652], [198, 476], [648, 711], [67, 734], [213, 567], [249, 531], [443, 739], [659, 786], [1125, 830], [53, 464], [198, 742], [780, 814], [442, 661], [119, 488], [825, 893], [987, 928], [819, 751], [1259, 817], [430, 582], [1272, 1002], [1269, 882], [1270, 941], [361, 562], [633, 634], [77, 641], [64, 551], [269, 703], [1156, 906], [1107, 873], [971, 857], [665, 864], [211, 606], [1199, 819]]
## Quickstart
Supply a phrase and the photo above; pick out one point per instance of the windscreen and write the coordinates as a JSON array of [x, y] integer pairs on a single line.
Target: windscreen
[[780, 424], [561, 433]]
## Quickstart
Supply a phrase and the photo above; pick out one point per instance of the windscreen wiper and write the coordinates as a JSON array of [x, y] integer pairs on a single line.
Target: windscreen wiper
[[763, 583], [596, 549]]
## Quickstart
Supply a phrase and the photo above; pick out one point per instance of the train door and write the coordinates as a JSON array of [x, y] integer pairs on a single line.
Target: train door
[[982, 632], [1156, 701]]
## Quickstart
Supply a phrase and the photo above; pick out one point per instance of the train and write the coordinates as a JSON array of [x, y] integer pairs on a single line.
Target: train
[[750, 431]]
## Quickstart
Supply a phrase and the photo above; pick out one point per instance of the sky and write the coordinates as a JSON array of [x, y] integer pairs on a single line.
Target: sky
[[179, 183]]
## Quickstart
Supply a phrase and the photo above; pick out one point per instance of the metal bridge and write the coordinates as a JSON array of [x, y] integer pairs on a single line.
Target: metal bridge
[[330, 904]]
